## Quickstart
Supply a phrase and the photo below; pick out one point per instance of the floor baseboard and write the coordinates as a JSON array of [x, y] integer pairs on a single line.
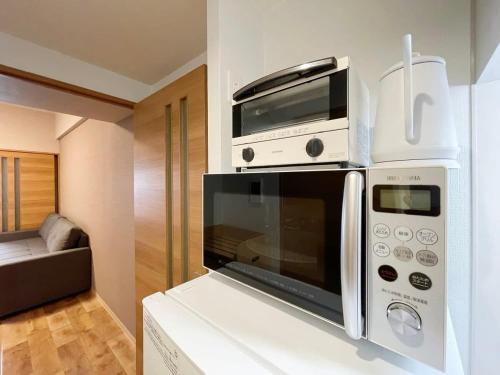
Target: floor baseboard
[[115, 318]]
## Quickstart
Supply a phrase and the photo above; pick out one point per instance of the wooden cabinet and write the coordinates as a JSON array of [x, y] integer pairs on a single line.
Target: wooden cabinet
[[170, 157], [28, 189]]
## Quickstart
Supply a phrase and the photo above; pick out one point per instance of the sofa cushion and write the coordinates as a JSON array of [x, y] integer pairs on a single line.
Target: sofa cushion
[[37, 245], [21, 249], [47, 225], [63, 235]]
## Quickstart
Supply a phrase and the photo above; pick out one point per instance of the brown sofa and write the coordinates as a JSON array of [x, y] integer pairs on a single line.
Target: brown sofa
[[39, 266]]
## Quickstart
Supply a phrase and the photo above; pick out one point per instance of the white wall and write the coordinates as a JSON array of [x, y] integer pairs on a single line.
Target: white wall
[[96, 192], [487, 39], [369, 32], [247, 40], [26, 129], [460, 243], [486, 179], [234, 53]]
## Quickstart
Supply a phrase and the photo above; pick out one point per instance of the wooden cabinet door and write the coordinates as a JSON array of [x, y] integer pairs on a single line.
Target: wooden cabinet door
[[170, 157], [28, 189]]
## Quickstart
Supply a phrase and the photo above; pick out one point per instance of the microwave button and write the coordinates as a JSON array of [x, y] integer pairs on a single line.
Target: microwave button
[[248, 154], [403, 253], [314, 147], [403, 319], [403, 233], [381, 230], [427, 237], [420, 281], [381, 249], [387, 273], [427, 258]]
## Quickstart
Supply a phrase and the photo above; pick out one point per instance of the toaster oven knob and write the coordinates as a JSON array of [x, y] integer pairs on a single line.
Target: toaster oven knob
[[248, 154], [314, 147], [403, 319]]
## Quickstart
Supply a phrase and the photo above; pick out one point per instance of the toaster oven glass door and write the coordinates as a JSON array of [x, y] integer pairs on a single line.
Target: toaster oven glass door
[[279, 232], [320, 99]]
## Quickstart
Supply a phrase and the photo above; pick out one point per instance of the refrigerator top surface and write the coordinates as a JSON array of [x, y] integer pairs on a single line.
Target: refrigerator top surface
[[222, 325]]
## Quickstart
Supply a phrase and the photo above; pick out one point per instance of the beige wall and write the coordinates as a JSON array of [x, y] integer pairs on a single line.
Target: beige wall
[[96, 192], [26, 129], [65, 123]]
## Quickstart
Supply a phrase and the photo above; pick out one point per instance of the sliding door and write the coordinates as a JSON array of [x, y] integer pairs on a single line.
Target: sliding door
[[170, 157], [28, 189]]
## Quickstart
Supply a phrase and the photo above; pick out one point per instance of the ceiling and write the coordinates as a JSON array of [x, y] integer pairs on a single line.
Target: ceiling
[[142, 40]]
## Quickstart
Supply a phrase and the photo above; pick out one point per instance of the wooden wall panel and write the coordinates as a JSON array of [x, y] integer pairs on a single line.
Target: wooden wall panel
[[37, 188], [149, 211], [164, 256], [197, 165]]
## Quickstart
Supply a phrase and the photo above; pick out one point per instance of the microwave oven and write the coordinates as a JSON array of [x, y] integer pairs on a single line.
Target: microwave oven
[[363, 249], [309, 114]]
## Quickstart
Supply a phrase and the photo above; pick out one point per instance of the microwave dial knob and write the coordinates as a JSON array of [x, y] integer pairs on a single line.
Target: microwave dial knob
[[314, 147], [248, 154], [403, 319]]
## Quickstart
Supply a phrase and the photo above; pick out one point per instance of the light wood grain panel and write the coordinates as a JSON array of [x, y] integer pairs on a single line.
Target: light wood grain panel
[[73, 358], [17, 360], [37, 190], [42, 341], [162, 259], [44, 355], [149, 209], [197, 165]]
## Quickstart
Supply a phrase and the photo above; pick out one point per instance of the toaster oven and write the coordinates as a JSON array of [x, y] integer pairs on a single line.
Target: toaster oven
[[308, 114]]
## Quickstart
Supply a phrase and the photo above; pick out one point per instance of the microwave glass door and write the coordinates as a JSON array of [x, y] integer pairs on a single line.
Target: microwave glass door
[[320, 99], [280, 233]]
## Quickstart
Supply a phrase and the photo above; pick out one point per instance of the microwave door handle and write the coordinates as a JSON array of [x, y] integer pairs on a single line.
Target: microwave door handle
[[350, 254]]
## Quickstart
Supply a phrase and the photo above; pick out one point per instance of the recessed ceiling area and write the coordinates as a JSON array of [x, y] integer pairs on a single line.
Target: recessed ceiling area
[[142, 40]]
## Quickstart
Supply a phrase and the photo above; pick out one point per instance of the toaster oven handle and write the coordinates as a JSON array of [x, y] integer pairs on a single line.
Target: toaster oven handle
[[350, 254], [284, 76]]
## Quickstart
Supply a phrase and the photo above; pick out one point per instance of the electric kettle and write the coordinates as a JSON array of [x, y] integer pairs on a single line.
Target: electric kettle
[[414, 118]]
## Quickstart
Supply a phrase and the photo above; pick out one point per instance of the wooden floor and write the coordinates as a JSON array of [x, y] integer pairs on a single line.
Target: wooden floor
[[72, 336]]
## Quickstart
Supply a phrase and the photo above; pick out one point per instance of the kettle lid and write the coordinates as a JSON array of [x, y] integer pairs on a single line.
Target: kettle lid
[[417, 59]]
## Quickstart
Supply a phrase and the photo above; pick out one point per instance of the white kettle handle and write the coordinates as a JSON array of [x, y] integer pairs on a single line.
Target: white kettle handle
[[408, 87]]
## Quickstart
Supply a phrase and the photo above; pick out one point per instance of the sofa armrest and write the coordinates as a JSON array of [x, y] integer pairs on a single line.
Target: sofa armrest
[[20, 235], [37, 280]]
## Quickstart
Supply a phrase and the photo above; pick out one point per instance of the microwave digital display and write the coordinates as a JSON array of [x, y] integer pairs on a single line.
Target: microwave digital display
[[407, 199]]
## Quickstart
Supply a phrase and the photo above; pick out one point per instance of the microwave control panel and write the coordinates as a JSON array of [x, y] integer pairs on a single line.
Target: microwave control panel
[[406, 258]]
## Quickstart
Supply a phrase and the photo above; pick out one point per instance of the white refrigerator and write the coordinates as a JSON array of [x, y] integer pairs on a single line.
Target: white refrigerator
[[214, 325]]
